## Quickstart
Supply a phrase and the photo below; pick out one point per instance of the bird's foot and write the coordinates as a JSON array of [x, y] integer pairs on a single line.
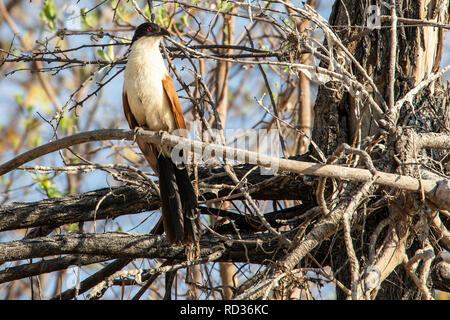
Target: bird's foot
[[137, 131]]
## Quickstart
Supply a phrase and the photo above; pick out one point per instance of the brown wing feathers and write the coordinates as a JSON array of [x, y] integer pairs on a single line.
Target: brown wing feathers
[[171, 93]]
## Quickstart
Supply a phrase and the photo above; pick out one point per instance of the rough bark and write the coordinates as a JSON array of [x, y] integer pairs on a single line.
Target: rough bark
[[340, 118]]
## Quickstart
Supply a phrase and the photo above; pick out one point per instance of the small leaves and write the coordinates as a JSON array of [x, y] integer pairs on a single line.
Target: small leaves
[[47, 185], [67, 123], [185, 20], [49, 15], [119, 10], [73, 227], [61, 33], [162, 17], [108, 53], [225, 6], [89, 19], [19, 99]]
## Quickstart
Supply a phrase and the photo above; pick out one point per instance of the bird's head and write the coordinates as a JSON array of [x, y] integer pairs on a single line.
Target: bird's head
[[149, 29]]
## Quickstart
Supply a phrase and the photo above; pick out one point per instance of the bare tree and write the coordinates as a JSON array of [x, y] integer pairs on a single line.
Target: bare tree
[[358, 204]]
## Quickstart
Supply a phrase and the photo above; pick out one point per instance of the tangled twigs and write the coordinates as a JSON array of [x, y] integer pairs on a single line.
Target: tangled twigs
[[137, 274], [333, 159], [350, 211], [247, 196], [426, 255], [439, 227], [343, 212], [437, 190], [348, 214], [393, 114], [392, 251], [323, 229], [265, 287]]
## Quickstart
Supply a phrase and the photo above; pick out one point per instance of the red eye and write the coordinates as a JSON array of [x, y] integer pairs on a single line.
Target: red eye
[[148, 29]]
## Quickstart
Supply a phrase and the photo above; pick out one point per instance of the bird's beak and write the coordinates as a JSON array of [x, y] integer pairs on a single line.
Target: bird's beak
[[164, 32]]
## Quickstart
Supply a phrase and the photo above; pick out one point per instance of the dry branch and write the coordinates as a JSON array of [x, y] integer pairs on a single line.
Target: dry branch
[[125, 200], [115, 201], [259, 248], [438, 191], [48, 265], [393, 113]]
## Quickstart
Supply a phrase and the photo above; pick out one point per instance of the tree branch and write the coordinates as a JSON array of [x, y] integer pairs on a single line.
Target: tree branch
[[299, 167], [259, 248]]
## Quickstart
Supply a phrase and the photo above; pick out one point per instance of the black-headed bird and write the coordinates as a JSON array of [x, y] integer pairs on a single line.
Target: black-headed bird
[[150, 101]]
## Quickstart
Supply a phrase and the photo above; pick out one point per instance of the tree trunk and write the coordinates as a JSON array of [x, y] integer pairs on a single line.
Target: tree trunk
[[341, 118]]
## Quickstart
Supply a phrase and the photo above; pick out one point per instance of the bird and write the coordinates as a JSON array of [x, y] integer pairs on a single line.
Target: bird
[[150, 102]]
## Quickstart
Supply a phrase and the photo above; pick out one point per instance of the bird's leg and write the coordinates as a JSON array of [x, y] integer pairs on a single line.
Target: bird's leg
[[137, 130]]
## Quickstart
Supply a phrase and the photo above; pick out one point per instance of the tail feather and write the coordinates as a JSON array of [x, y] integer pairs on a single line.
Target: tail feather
[[190, 204], [179, 203], [172, 210]]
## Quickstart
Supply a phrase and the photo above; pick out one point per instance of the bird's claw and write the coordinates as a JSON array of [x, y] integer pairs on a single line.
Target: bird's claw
[[137, 130]]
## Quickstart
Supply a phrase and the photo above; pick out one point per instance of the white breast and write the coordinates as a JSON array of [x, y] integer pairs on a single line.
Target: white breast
[[143, 85]]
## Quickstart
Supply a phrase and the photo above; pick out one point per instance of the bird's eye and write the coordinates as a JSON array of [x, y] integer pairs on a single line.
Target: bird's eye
[[148, 29]]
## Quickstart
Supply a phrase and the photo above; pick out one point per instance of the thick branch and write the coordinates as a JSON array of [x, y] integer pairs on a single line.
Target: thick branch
[[45, 266], [117, 201], [249, 249], [89, 206], [299, 167]]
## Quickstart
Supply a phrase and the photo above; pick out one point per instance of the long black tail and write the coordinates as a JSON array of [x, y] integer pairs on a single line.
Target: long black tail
[[179, 203]]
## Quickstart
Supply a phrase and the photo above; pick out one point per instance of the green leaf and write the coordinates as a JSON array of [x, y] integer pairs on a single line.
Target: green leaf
[[15, 141], [50, 23], [161, 17], [19, 99], [185, 20], [47, 185], [110, 51], [37, 141], [49, 14], [73, 227], [102, 54], [226, 6], [30, 109], [67, 122], [50, 10], [91, 19], [225, 30]]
